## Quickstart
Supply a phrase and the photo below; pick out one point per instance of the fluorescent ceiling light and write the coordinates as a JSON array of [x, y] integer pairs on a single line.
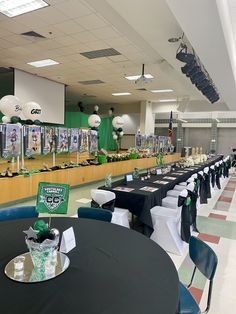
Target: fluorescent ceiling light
[[167, 100], [43, 63], [135, 77], [121, 94], [12, 8], [161, 90]]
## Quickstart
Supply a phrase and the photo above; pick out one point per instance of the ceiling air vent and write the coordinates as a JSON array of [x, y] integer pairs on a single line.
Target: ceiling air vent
[[142, 89], [91, 82], [32, 34], [100, 53]]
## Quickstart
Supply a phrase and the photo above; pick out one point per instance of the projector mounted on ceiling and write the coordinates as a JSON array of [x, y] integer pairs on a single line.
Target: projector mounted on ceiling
[[143, 79]]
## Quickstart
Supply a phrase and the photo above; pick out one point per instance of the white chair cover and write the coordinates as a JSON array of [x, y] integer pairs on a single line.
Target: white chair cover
[[173, 193], [179, 187], [166, 225], [183, 183], [170, 202], [120, 216]]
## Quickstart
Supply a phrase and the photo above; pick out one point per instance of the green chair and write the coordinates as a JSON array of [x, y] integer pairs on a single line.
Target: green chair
[[94, 213], [205, 261], [15, 213]]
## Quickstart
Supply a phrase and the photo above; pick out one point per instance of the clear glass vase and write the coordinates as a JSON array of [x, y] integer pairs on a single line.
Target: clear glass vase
[[43, 255]]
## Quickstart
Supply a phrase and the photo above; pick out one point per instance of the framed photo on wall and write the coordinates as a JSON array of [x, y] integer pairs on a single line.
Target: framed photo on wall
[[84, 140], [11, 140], [32, 140], [73, 140], [62, 143], [93, 141], [49, 139]]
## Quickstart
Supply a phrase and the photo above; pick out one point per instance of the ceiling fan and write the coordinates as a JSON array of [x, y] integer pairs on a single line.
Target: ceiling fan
[[143, 79]]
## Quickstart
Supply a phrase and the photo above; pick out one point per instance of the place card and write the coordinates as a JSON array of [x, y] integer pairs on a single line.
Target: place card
[[123, 189], [67, 240], [158, 171], [148, 189], [176, 173], [161, 182], [170, 178]]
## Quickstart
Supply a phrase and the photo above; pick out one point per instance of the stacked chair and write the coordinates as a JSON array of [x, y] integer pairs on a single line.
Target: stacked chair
[[15, 213]]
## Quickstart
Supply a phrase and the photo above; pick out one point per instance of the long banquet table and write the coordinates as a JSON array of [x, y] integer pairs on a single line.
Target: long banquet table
[[112, 270], [139, 202]]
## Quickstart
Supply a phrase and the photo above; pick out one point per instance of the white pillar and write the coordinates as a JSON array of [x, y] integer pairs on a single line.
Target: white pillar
[[147, 118]]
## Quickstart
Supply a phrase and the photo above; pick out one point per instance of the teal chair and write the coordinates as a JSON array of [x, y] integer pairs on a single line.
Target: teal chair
[[15, 213], [94, 213], [205, 261]]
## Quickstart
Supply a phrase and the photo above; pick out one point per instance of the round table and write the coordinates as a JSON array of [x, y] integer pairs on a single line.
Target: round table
[[113, 270]]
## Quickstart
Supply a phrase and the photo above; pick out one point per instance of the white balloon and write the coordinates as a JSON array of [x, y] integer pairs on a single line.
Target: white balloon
[[6, 119], [121, 133], [115, 137], [96, 107], [117, 122], [32, 110], [94, 120], [10, 106]]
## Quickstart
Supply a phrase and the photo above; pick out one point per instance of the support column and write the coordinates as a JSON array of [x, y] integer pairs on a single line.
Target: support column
[[147, 118], [214, 136], [180, 137]]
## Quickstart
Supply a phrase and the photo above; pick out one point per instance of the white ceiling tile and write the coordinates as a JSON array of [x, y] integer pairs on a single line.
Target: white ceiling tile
[[49, 31], [73, 8], [91, 21], [98, 44], [48, 44], [6, 44], [50, 15], [20, 40], [30, 20], [69, 27], [119, 58], [13, 26], [105, 32], [19, 50], [66, 40], [117, 42], [85, 37]]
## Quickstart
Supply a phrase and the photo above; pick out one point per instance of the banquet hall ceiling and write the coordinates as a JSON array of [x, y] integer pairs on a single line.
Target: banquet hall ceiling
[[139, 33]]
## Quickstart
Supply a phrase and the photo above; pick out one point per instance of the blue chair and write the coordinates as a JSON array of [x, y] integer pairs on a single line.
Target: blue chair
[[95, 213], [15, 213], [205, 261]]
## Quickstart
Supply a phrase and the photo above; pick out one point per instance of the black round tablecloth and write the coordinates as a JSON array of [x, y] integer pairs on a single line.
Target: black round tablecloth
[[113, 270]]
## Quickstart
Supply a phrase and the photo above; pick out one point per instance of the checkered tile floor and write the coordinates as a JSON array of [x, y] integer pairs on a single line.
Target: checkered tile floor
[[217, 226]]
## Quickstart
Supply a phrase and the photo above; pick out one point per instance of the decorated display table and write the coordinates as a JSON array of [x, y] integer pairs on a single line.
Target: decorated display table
[[140, 196], [112, 270], [19, 187]]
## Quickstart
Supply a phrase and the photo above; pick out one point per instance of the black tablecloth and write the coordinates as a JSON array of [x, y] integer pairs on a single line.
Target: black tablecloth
[[113, 270], [140, 202]]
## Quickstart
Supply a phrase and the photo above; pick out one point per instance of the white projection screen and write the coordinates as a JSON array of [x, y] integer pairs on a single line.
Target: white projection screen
[[50, 95]]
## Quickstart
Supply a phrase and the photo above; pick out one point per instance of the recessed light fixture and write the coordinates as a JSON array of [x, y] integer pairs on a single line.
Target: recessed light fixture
[[17, 7], [168, 100], [161, 90], [135, 77], [43, 63], [121, 94]]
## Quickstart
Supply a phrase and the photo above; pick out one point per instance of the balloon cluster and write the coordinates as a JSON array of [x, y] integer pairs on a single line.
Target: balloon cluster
[[14, 112], [117, 123], [94, 120]]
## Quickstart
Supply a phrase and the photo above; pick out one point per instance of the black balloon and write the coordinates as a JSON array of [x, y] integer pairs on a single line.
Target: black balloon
[[119, 129], [30, 122]]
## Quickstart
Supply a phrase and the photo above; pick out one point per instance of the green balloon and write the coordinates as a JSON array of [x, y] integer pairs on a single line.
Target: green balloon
[[37, 122], [15, 119], [41, 226]]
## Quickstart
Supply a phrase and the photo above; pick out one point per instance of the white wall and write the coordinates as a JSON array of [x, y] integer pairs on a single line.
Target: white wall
[[131, 123], [50, 95]]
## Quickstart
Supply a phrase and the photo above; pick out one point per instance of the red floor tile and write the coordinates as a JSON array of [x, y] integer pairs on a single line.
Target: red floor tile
[[229, 189], [232, 182], [209, 238], [217, 216], [196, 293], [226, 199]]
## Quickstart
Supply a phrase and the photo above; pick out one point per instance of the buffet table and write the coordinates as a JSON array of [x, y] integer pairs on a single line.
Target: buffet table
[[139, 202], [112, 270], [19, 187]]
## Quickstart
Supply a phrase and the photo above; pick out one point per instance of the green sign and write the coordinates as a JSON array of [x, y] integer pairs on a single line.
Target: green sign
[[52, 198]]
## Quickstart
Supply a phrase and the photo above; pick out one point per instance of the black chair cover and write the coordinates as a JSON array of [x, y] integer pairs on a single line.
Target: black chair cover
[[186, 218], [108, 205], [193, 195], [212, 177], [217, 171], [202, 189], [207, 184]]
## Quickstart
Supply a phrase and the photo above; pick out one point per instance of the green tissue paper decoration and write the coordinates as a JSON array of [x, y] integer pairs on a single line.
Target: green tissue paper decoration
[[136, 173], [108, 182], [159, 159]]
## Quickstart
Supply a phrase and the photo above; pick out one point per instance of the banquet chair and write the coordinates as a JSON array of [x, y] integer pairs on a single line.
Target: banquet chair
[[166, 225], [94, 213], [179, 187], [173, 193], [104, 199], [20, 212], [205, 260], [183, 183]]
